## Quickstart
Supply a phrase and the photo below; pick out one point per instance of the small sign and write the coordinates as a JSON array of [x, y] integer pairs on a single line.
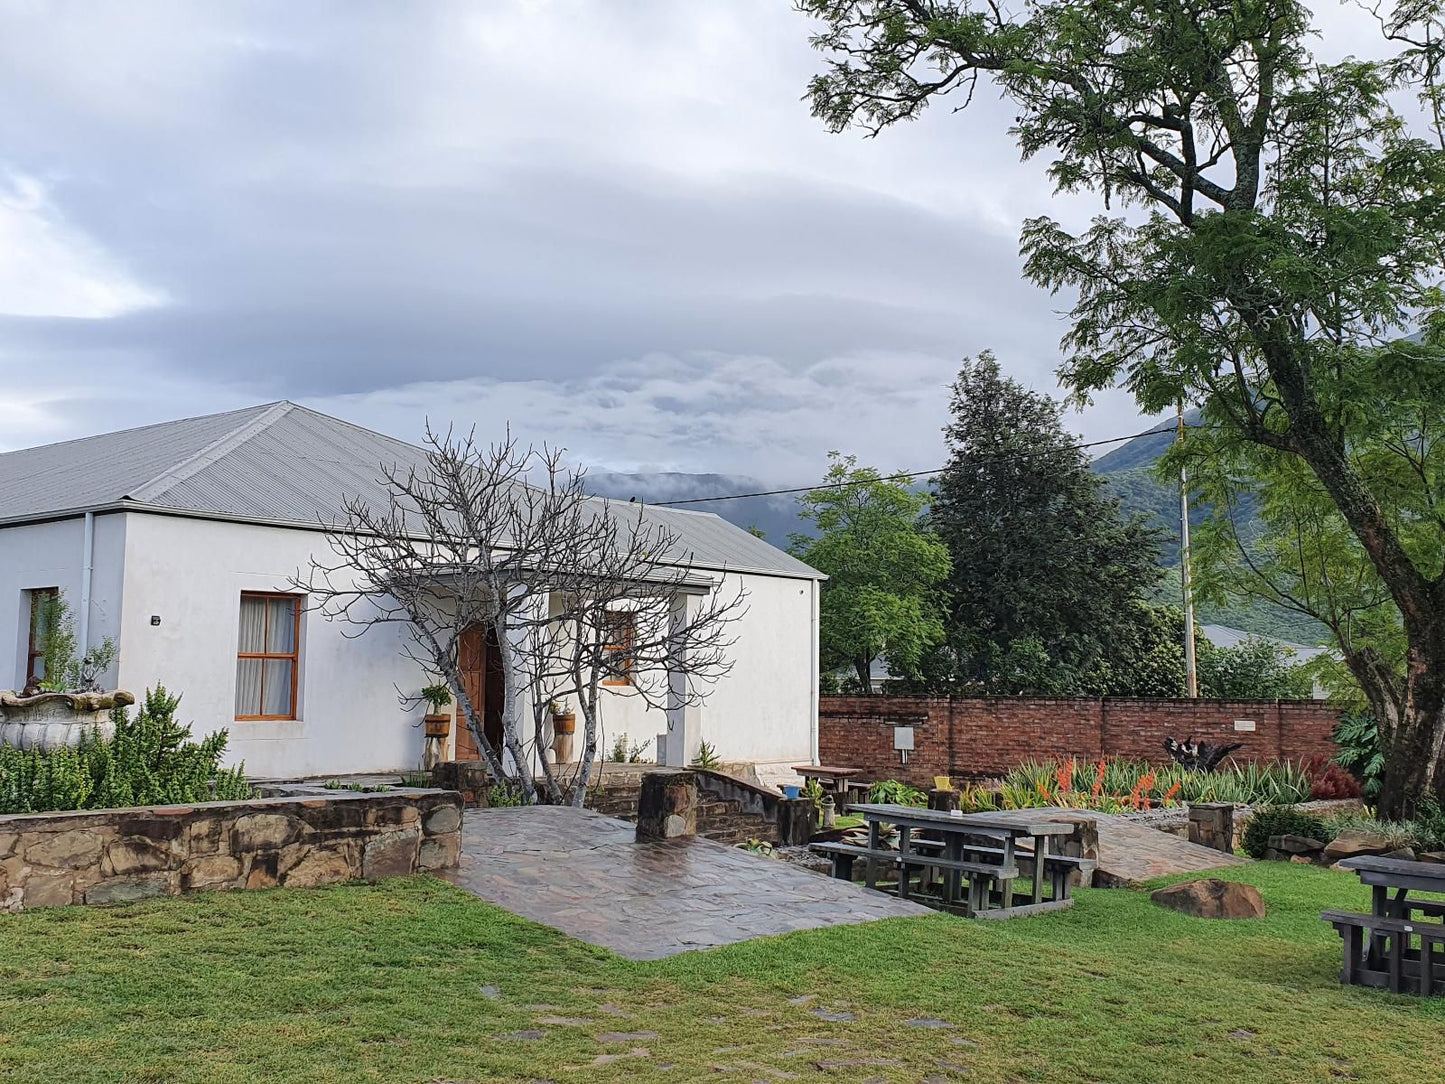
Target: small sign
[[903, 738], [1244, 724]]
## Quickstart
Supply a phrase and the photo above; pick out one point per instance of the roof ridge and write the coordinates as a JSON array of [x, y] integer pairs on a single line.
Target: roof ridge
[[216, 450], [132, 429]]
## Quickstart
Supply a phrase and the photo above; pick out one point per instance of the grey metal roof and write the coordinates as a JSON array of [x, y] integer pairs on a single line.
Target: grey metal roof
[[280, 463]]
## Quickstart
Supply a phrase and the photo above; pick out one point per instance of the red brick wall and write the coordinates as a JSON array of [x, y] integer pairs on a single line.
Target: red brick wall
[[987, 736]]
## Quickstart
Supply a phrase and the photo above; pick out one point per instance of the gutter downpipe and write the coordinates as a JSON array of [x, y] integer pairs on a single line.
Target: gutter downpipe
[[813, 649], [87, 567]]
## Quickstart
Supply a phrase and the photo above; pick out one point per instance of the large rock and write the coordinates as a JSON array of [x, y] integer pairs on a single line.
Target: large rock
[[1356, 841], [1438, 857], [1210, 897]]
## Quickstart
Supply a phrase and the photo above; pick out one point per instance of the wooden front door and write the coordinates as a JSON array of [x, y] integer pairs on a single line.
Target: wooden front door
[[481, 666]]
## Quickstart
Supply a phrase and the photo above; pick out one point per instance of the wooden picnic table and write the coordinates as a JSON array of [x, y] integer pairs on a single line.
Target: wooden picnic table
[[1400, 945], [839, 782], [979, 852]]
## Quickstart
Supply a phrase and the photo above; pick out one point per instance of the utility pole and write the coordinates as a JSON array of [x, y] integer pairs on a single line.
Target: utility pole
[[1191, 670]]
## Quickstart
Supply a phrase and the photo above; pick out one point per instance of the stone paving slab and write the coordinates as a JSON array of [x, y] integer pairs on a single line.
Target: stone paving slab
[[1130, 852], [584, 874]]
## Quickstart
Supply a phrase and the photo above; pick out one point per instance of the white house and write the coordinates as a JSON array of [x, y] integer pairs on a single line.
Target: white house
[[178, 540]]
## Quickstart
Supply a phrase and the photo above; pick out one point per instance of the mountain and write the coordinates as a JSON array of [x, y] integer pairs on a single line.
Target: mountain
[[1128, 470], [776, 517]]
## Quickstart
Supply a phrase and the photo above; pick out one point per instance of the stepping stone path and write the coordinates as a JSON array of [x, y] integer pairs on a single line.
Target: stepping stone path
[[840, 1017], [929, 1022]]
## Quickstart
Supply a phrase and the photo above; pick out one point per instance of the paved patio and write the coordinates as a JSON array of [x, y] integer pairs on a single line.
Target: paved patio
[[582, 873]]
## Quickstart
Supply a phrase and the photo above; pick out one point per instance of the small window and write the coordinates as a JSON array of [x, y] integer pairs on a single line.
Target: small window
[[41, 614], [618, 631], [267, 658]]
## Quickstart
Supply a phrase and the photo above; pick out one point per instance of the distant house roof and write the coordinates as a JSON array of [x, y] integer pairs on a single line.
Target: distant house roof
[[281, 464], [1224, 636]]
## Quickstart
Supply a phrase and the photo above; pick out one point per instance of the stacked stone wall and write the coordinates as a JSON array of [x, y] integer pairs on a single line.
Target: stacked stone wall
[[116, 855]]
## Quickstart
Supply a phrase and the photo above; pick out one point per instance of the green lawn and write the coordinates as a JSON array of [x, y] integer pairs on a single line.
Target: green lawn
[[386, 983]]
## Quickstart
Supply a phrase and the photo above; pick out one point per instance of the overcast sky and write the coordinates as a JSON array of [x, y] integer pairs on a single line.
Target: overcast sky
[[613, 224]]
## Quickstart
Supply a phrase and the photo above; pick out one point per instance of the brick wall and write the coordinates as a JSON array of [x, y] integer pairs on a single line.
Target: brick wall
[[986, 736]]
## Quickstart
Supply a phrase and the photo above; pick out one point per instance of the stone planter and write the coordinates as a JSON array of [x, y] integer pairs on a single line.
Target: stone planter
[[47, 721]]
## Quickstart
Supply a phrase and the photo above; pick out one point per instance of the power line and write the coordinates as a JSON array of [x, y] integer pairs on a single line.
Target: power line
[[904, 474]]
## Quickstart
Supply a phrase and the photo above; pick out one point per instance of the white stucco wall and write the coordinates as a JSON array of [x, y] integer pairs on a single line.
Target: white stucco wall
[[765, 710], [190, 573], [52, 555]]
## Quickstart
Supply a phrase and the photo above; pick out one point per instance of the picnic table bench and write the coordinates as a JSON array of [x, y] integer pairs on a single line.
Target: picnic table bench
[[1400, 944], [972, 876], [841, 783]]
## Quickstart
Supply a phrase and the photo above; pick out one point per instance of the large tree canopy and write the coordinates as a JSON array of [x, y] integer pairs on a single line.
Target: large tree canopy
[[1284, 214], [1047, 572], [884, 595]]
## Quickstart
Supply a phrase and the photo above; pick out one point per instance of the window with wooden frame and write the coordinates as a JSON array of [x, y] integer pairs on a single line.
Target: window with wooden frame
[[619, 629], [40, 616], [268, 660]]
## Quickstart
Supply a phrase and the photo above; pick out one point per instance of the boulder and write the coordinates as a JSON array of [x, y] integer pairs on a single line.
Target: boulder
[[1405, 854], [1210, 897], [1356, 841], [1438, 857]]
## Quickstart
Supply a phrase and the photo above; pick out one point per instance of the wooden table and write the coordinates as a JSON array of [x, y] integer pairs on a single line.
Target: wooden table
[[980, 859], [1400, 945], [839, 782]]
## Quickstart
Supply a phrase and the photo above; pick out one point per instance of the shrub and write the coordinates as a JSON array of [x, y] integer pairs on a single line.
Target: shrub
[[149, 761], [1330, 781], [1358, 736], [892, 792], [1279, 821]]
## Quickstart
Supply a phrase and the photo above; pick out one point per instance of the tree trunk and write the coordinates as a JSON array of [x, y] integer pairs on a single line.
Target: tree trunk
[[1412, 746], [864, 669]]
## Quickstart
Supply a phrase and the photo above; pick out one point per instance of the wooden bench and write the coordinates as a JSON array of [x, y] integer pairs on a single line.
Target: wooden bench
[[980, 875], [1058, 867], [1379, 952]]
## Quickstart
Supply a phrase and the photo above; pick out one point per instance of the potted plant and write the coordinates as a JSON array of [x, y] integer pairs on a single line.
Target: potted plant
[[564, 725], [437, 697], [564, 719]]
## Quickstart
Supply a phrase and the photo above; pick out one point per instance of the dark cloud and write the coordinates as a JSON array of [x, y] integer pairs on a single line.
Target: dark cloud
[[614, 223]]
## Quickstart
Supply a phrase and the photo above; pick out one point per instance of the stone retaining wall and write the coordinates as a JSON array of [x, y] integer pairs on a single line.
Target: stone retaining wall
[[114, 855]]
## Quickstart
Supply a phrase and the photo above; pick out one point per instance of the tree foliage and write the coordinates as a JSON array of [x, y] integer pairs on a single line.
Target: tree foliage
[[1283, 217], [1048, 575], [884, 597]]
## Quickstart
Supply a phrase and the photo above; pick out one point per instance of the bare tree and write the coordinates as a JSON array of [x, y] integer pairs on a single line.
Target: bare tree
[[504, 537]]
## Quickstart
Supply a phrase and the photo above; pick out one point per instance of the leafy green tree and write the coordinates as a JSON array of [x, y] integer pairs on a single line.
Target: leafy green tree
[[1047, 572], [1255, 669], [884, 595], [1285, 215]]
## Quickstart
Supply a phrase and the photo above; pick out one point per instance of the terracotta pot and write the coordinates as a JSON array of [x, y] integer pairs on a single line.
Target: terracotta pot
[[564, 724], [438, 726]]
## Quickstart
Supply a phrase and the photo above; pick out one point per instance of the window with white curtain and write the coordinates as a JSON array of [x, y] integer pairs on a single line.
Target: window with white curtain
[[267, 656]]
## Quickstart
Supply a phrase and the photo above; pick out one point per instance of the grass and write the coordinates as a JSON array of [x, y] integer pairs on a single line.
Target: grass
[[385, 983]]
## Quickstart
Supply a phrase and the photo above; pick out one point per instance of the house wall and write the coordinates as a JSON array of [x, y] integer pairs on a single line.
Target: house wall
[[52, 555], [987, 736], [190, 573], [764, 710]]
